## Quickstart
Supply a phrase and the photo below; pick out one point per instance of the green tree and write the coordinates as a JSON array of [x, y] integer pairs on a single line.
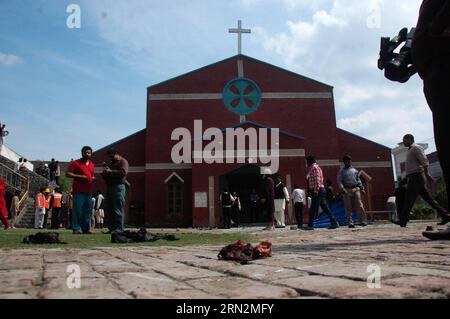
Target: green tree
[[65, 183]]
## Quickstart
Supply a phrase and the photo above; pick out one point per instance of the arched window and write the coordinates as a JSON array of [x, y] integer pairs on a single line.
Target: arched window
[[174, 194]]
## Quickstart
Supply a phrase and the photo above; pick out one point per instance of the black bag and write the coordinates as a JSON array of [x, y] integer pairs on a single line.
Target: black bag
[[141, 236], [43, 238], [120, 238]]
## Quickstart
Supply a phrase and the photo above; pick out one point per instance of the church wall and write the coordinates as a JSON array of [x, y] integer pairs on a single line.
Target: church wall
[[170, 115], [156, 201], [131, 147], [312, 119], [362, 150]]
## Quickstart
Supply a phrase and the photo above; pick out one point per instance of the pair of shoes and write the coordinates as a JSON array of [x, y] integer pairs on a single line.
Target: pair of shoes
[[363, 224], [280, 226], [77, 232], [308, 228], [351, 226], [334, 226]]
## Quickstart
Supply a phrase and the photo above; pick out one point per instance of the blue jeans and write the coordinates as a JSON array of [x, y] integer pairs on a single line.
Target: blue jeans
[[116, 207], [81, 212], [316, 201]]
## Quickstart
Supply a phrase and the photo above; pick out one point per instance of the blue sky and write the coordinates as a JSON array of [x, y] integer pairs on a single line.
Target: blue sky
[[62, 88]]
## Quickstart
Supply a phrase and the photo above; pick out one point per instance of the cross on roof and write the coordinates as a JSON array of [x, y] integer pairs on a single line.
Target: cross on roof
[[239, 31]]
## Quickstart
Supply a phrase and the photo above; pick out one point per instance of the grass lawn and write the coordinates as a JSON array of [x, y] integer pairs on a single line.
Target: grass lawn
[[12, 239]]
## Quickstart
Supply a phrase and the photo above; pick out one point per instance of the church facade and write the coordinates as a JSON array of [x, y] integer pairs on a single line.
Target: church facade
[[295, 115]]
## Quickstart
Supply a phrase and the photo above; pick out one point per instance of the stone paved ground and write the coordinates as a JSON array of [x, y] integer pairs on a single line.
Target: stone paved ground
[[319, 264]]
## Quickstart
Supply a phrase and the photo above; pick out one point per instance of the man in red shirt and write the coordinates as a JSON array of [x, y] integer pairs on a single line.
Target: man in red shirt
[[3, 211], [431, 58], [82, 172]]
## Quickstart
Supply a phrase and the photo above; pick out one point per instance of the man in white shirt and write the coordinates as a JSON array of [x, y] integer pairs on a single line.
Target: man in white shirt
[[417, 174], [281, 198], [299, 200], [98, 210]]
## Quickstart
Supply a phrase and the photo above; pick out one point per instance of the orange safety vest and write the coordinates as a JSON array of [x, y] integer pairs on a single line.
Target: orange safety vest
[[47, 202], [40, 201], [57, 198]]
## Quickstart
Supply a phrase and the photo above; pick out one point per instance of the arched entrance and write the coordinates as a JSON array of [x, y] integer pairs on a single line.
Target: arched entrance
[[244, 181]]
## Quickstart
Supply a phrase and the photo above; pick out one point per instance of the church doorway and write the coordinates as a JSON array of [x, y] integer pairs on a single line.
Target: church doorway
[[246, 182]]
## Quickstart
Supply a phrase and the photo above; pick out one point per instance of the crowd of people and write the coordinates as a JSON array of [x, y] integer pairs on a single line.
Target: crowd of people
[[58, 207], [79, 210], [274, 198], [274, 195], [50, 171]]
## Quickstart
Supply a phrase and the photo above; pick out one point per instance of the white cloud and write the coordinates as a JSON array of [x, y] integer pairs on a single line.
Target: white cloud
[[293, 4], [250, 3], [322, 17], [352, 94], [9, 59], [387, 124]]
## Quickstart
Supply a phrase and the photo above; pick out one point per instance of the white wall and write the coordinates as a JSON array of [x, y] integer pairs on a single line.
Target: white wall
[[13, 156]]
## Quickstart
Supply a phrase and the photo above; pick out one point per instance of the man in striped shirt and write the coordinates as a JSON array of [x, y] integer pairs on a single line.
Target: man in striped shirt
[[318, 194]]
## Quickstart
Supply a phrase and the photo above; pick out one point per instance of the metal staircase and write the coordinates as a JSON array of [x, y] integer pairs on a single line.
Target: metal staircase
[[17, 182]]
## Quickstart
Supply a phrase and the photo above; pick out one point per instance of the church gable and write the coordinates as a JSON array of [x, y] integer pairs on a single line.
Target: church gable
[[213, 78]]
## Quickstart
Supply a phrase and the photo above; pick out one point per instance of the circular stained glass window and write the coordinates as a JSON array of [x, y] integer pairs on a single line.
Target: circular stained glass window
[[242, 96]]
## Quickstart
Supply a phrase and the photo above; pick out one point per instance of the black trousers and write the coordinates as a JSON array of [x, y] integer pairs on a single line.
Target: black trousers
[[298, 207], [226, 213], [417, 186], [47, 211], [437, 92], [254, 212], [235, 215], [55, 217]]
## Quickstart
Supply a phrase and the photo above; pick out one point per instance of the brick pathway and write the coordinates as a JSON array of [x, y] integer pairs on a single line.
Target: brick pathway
[[320, 264]]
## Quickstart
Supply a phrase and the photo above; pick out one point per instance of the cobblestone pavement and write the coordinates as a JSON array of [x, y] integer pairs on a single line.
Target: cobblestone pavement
[[318, 264]]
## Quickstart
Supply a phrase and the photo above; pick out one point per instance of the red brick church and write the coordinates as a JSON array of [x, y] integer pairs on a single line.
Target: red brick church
[[171, 194]]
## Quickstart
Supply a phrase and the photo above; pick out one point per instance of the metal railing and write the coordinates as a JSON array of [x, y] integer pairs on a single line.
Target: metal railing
[[15, 180]]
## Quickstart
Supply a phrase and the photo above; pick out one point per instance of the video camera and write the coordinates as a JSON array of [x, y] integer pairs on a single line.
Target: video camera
[[397, 66]]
